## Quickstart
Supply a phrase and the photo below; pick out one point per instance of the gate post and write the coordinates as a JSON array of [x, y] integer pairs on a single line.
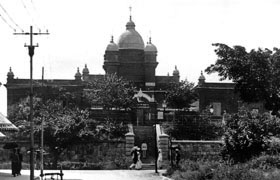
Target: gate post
[[129, 143], [163, 145]]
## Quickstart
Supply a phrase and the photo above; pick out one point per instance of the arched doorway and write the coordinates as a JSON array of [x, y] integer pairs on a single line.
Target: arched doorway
[[144, 109]]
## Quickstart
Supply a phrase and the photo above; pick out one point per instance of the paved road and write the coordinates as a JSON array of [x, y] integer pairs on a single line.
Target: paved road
[[92, 175]]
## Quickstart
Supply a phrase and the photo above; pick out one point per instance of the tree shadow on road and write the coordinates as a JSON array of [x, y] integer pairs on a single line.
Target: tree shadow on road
[[8, 176]]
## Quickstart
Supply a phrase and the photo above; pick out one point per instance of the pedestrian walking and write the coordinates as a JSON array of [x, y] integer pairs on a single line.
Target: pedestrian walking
[[14, 161], [134, 157], [19, 165], [177, 157], [159, 160], [138, 165]]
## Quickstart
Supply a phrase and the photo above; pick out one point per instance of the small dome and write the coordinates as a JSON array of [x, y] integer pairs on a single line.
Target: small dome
[[78, 74], [85, 70], [176, 72], [130, 39], [150, 47], [10, 73], [130, 25], [112, 46], [201, 77]]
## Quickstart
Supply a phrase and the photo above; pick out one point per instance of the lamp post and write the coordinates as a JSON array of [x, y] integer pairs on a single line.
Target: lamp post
[[156, 148]]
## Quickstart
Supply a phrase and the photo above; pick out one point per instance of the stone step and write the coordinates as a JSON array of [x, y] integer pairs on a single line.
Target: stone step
[[146, 166]]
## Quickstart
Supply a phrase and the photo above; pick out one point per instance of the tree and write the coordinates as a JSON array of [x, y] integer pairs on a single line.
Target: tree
[[256, 73], [248, 135], [64, 126], [65, 123], [180, 95], [111, 92]]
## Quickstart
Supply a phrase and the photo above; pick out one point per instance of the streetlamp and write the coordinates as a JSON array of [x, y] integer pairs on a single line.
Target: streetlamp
[[156, 148], [211, 112], [211, 109]]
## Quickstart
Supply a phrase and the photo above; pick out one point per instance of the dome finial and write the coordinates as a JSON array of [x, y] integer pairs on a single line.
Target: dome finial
[[112, 39], [130, 18], [150, 37]]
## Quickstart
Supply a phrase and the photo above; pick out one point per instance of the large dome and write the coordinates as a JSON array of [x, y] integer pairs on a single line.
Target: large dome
[[130, 39]]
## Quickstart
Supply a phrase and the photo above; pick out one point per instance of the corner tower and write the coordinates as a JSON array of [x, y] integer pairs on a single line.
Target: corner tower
[[150, 63], [111, 58]]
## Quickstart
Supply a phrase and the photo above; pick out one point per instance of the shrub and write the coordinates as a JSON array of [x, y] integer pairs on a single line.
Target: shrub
[[236, 172], [273, 146], [247, 135], [190, 125], [206, 170], [265, 162]]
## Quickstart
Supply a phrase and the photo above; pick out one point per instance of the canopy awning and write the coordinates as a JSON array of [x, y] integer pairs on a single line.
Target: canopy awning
[[2, 135], [6, 125]]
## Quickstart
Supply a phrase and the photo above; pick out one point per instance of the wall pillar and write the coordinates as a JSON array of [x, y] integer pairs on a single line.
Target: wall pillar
[[163, 145], [129, 143]]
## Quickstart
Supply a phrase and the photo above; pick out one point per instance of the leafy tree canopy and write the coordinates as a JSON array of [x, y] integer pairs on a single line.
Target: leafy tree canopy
[[111, 92], [248, 135], [256, 73], [180, 95], [65, 124]]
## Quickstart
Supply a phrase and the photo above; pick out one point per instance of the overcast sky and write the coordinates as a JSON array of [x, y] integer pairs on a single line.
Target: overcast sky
[[182, 30]]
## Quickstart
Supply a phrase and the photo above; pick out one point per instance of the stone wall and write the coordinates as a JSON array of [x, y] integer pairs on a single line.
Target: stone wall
[[92, 152], [198, 149]]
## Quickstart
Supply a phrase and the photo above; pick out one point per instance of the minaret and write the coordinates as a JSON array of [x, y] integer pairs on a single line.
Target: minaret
[[78, 76], [111, 58], [10, 75], [85, 73], [201, 79], [150, 63], [176, 74]]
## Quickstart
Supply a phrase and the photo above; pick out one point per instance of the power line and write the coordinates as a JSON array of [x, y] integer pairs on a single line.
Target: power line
[[36, 13], [7, 23], [30, 16], [10, 17]]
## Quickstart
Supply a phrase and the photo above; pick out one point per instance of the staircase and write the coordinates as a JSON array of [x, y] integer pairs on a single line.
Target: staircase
[[146, 134]]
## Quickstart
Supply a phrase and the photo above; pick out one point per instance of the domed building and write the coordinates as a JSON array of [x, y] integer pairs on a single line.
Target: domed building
[[134, 61], [129, 58]]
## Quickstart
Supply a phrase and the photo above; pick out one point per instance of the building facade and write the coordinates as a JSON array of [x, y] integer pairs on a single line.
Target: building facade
[[222, 97], [129, 58]]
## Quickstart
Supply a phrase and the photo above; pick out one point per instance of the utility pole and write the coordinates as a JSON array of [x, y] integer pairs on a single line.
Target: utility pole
[[42, 135], [31, 49]]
